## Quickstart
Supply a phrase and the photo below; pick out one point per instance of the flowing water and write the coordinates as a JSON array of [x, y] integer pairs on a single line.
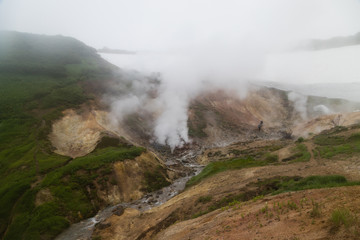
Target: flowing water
[[83, 230]]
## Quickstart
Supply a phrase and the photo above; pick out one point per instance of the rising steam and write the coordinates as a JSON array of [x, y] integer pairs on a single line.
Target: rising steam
[[183, 77], [218, 46]]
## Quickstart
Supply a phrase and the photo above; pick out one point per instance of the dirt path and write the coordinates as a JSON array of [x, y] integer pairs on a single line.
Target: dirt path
[[310, 148]]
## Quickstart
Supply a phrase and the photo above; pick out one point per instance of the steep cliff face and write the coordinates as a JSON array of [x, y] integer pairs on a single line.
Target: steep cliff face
[[75, 135], [136, 177]]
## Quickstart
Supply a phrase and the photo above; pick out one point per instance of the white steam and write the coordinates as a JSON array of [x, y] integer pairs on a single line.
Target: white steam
[[322, 109], [183, 77], [171, 126], [199, 46], [300, 103]]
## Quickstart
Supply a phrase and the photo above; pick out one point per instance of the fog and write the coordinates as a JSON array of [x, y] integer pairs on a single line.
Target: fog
[[198, 45], [331, 65], [177, 24]]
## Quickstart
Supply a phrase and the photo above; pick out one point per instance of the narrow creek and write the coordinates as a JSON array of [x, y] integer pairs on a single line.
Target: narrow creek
[[84, 229]]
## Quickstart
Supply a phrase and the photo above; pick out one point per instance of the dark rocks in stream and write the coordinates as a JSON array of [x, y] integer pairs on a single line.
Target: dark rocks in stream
[[118, 211], [103, 225]]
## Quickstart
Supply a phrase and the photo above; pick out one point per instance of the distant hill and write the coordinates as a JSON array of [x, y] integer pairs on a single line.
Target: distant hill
[[45, 71], [335, 42], [115, 51]]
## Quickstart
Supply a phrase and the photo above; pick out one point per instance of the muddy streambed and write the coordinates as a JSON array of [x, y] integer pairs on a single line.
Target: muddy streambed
[[84, 229]]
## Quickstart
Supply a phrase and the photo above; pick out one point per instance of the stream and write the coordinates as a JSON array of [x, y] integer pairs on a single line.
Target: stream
[[84, 229]]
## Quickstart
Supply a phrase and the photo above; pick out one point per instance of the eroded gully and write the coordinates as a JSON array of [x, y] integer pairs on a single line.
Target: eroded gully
[[84, 229]]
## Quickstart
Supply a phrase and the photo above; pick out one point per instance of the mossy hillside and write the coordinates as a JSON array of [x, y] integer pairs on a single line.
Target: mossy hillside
[[252, 157], [336, 143], [339, 141], [232, 164], [299, 154], [278, 185], [40, 76], [156, 179], [73, 187], [272, 186]]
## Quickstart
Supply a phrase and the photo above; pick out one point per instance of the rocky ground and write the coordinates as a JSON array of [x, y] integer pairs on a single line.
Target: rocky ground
[[78, 133], [295, 215]]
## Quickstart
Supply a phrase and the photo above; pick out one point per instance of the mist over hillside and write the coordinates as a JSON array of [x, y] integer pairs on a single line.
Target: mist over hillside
[[335, 42], [301, 75], [347, 90], [335, 66]]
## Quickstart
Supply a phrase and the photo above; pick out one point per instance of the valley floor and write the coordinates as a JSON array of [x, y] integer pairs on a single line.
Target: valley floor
[[229, 204]]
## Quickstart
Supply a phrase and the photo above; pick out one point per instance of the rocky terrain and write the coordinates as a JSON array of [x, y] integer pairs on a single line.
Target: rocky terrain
[[223, 127], [238, 204]]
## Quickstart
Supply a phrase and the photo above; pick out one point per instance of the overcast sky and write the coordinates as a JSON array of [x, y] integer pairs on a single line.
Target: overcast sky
[[174, 24]]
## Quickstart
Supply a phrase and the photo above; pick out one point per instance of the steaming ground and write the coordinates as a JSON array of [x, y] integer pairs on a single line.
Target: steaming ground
[[329, 73], [179, 79], [174, 80]]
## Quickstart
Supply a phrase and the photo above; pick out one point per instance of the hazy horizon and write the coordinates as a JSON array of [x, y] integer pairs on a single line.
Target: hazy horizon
[[177, 25]]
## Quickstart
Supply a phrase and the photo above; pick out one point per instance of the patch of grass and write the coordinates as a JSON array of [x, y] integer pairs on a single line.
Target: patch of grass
[[216, 167], [93, 161], [258, 197], [204, 199], [271, 158], [259, 153], [279, 185], [292, 205], [107, 141], [316, 210], [227, 201], [300, 154], [343, 216], [330, 146], [155, 180], [328, 140], [285, 184]]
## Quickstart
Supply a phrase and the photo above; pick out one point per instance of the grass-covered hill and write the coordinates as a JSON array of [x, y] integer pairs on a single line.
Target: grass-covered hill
[[43, 72], [41, 193]]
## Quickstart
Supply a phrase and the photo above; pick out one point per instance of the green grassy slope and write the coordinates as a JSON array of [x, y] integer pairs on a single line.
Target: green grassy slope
[[339, 142], [40, 76]]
